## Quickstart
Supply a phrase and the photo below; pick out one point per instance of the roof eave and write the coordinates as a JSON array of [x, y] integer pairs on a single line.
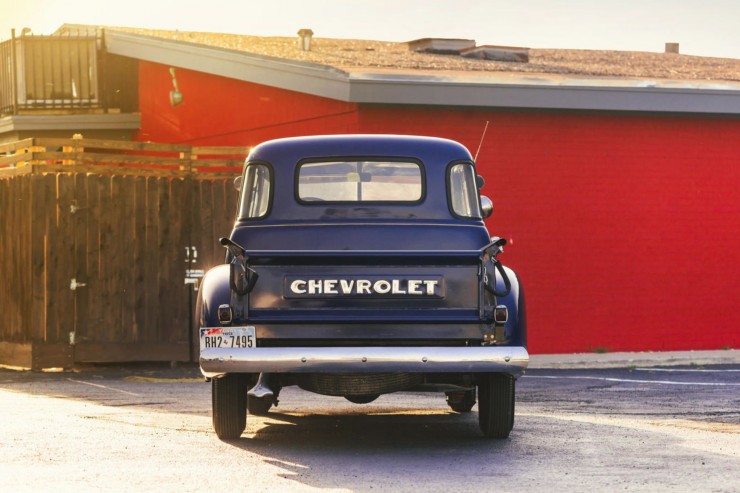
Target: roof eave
[[308, 78], [551, 97]]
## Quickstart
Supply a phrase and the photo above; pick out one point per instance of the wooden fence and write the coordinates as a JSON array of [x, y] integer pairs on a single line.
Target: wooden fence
[[102, 244]]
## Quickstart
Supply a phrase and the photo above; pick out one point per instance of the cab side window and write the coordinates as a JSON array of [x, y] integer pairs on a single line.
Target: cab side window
[[463, 192], [255, 201]]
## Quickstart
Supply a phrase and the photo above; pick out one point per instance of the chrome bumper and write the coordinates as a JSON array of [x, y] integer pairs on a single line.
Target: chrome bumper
[[512, 360]]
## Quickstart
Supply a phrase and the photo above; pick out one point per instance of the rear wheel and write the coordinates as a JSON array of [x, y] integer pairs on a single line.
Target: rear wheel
[[462, 401], [229, 402], [496, 404]]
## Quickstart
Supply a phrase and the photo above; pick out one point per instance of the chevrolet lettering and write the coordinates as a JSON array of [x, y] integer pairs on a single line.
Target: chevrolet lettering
[[369, 286], [360, 265]]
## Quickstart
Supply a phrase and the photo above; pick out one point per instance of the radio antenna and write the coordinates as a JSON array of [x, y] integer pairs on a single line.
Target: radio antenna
[[481, 141]]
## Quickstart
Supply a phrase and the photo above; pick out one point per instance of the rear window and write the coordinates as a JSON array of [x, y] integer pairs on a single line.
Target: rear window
[[360, 181]]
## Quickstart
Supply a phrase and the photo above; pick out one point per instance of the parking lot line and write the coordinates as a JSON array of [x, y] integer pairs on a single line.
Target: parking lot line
[[698, 370], [630, 380], [102, 387]]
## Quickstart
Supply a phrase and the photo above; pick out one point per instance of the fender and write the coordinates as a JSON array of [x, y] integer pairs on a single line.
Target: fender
[[515, 329], [214, 291]]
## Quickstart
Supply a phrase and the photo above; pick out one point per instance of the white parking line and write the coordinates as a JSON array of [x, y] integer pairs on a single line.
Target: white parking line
[[102, 387], [698, 370], [628, 380]]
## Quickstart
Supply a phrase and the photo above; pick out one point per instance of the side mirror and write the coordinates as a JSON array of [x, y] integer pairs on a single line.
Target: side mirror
[[486, 206], [238, 183], [479, 181]]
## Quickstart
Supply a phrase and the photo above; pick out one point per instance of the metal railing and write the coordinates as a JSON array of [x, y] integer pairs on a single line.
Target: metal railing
[[54, 72]]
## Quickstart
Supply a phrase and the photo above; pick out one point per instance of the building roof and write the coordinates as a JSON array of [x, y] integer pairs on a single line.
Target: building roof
[[362, 55], [390, 73]]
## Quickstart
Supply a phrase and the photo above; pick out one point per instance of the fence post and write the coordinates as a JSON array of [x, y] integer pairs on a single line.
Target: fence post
[[185, 161], [75, 149]]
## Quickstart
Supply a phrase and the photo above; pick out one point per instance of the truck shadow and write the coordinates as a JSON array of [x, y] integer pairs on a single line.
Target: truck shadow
[[349, 428], [338, 449]]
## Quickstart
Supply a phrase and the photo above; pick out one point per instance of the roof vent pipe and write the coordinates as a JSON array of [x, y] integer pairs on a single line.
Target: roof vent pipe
[[305, 39]]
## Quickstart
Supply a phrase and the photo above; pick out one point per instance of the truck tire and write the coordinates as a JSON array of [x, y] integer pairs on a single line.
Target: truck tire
[[496, 404], [461, 402], [229, 402]]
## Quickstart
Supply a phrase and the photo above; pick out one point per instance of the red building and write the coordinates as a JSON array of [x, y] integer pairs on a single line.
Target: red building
[[619, 196]]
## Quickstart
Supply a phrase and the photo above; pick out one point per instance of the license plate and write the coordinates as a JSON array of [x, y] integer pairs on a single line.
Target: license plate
[[228, 337]]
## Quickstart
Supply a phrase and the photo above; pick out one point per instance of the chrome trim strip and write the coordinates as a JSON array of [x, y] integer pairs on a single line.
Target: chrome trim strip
[[512, 360]]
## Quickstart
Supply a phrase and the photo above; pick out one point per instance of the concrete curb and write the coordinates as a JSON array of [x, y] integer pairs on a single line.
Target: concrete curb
[[626, 360]]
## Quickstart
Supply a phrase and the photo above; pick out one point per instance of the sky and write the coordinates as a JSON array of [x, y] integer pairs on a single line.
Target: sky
[[701, 27]]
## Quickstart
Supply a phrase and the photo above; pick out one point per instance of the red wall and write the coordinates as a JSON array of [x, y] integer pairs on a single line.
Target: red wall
[[221, 111], [624, 228]]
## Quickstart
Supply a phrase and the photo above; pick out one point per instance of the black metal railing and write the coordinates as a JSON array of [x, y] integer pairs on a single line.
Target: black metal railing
[[60, 72]]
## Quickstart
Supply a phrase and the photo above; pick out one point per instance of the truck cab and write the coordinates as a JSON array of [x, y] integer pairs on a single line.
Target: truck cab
[[359, 265]]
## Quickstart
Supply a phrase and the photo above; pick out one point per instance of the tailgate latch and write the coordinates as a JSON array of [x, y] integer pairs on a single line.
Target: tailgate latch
[[241, 277]]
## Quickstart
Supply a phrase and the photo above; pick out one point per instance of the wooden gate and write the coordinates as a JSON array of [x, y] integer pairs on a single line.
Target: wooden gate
[[103, 244]]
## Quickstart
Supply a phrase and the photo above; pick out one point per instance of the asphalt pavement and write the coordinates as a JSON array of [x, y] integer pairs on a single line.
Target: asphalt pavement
[[653, 428]]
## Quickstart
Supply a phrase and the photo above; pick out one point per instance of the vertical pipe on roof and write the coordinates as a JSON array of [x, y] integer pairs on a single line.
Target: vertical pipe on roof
[[305, 39]]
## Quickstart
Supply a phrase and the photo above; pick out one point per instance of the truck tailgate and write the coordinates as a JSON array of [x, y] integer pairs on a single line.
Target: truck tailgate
[[365, 288]]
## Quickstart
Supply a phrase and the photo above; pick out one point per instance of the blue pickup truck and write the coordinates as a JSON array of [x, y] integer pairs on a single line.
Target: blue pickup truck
[[359, 265]]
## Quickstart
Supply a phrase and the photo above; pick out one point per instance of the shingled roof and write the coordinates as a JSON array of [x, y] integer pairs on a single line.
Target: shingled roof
[[379, 56]]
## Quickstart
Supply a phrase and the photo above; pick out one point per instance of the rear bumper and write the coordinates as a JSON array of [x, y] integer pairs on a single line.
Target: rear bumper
[[484, 359]]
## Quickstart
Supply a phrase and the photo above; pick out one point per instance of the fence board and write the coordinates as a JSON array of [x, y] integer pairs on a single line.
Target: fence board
[[151, 283], [39, 219], [164, 242], [23, 266], [112, 253], [206, 242], [139, 249], [7, 195], [82, 251], [14, 159], [232, 199], [65, 255], [95, 208], [106, 274], [51, 254], [219, 204], [176, 254], [119, 145], [126, 203], [16, 146], [6, 262]]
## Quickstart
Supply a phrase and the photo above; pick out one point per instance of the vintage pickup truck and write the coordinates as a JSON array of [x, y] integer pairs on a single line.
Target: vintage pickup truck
[[359, 265]]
